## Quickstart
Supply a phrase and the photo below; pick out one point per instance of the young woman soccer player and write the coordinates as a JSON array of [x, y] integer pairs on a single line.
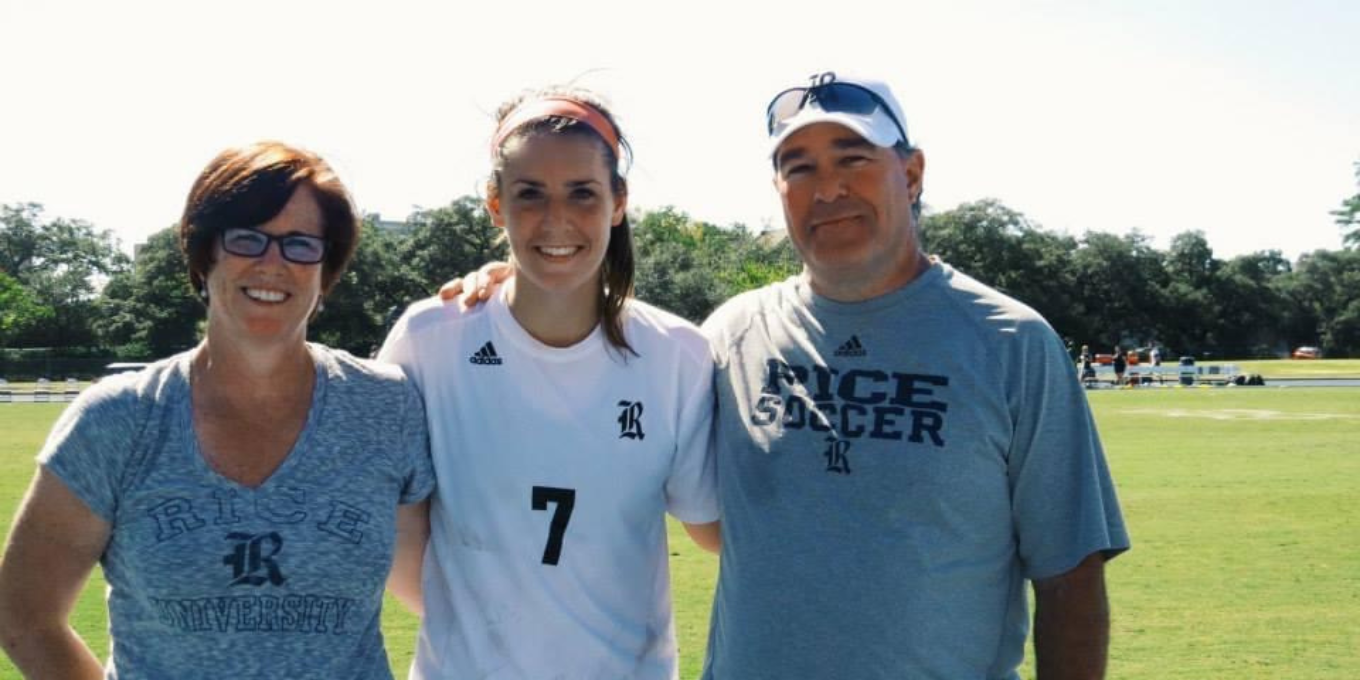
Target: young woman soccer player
[[566, 419]]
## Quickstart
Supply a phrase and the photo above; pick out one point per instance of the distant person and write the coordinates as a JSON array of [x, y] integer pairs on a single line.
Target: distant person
[[567, 419], [1133, 360], [247, 499], [1155, 354], [1088, 368], [1120, 363]]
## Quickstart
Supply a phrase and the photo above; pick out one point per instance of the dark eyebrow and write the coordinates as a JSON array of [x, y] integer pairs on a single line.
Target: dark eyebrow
[[848, 142], [852, 142], [789, 156], [573, 183]]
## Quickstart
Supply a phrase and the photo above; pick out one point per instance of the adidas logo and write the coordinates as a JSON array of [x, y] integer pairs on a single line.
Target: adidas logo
[[486, 356], [851, 348]]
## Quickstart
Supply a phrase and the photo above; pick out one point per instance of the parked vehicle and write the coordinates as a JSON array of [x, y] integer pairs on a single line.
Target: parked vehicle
[[1307, 352], [124, 367]]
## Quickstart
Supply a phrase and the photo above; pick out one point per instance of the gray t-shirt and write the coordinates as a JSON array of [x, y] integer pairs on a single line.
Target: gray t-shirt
[[211, 579], [890, 473]]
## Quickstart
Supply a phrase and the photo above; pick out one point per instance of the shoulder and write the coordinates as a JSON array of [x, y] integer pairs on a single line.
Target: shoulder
[[654, 328], [741, 311], [103, 429], [125, 391], [431, 313], [351, 373], [988, 309]]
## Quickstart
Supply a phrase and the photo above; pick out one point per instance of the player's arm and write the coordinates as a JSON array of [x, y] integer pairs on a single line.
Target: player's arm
[[54, 545], [707, 536], [1072, 623], [413, 530]]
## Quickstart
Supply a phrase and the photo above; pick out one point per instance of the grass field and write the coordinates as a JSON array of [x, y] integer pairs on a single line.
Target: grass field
[[1244, 505], [1300, 368]]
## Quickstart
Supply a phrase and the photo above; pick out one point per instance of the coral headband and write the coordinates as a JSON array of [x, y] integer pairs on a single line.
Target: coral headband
[[547, 107]]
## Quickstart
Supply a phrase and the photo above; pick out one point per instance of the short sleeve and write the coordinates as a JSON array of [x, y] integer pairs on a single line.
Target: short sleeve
[[715, 330], [397, 347], [91, 443], [1063, 499], [419, 481], [691, 488]]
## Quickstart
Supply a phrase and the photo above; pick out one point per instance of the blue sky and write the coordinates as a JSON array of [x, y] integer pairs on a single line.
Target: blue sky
[[1241, 119]]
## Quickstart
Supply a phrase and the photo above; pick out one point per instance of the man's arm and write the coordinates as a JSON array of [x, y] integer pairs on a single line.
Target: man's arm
[[474, 288], [55, 543], [1072, 623], [707, 536]]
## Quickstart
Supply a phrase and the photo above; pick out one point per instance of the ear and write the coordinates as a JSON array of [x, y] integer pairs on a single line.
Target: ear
[[914, 167], [620, 207], [493, 207]]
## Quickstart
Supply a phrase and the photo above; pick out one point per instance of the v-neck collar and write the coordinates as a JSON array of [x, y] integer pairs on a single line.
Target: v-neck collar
[[298, 450]]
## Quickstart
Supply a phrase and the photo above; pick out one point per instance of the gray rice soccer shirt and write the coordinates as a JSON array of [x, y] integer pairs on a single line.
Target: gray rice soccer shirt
[[891, 473], [211, 579]]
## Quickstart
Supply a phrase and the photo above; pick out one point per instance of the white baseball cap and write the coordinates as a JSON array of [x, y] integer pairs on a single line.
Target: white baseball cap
[[866, 106]]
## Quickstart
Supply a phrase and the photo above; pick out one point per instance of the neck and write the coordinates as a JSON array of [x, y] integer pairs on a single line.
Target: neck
[[556, 319], [256, 374], [849, 288]]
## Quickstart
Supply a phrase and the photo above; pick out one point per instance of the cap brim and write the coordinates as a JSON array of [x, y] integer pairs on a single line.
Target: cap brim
[[876, 128]]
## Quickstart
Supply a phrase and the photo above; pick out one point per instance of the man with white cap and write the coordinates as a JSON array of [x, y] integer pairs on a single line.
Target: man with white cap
[[901, 449]]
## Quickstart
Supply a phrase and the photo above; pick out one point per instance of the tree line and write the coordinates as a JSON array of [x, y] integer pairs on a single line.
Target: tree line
[[64, 284]]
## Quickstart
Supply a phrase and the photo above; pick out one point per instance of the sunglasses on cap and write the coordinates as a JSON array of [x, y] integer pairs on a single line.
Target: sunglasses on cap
[[298, 248], [830, 95]]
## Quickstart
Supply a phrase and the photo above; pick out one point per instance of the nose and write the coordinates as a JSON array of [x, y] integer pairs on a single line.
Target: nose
[[273, 253], [556, 214], [829, 186]]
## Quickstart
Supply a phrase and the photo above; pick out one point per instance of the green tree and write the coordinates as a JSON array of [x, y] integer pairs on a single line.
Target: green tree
[[689, 267], [19, 312], [1252, 313], [1118, 282], [377, 285], [1004, 249], [448, 242], [150, 310], [1326, 286], [1190, 312], [1348, 215], [58, 261]]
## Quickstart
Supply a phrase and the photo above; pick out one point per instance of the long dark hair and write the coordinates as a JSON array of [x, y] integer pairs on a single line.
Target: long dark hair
[[616, 272]]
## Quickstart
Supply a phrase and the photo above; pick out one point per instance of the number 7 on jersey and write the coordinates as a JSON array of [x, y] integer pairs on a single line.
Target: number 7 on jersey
[[565, 500]]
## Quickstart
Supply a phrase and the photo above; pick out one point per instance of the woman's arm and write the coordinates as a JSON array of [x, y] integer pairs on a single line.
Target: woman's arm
[[413, 529], [54, 545]]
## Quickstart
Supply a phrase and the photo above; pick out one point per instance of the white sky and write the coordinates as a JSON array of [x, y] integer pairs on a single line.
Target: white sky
[[1237, 117]]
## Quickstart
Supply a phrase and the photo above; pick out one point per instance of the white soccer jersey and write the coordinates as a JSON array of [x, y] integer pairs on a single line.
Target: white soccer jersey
[[548, 555]]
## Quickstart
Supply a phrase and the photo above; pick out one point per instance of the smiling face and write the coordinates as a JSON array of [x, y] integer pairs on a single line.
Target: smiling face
[[267, 298], [847, 205], [557, 206]]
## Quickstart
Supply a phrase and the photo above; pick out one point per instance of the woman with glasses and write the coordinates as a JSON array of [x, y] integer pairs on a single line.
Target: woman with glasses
[[566, 420], [247, 499]]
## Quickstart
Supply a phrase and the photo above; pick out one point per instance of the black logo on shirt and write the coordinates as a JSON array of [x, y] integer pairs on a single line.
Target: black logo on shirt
[[836, 460], [851, 348], [630, 420], [853, 403], [252, 559], [486, 356]]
